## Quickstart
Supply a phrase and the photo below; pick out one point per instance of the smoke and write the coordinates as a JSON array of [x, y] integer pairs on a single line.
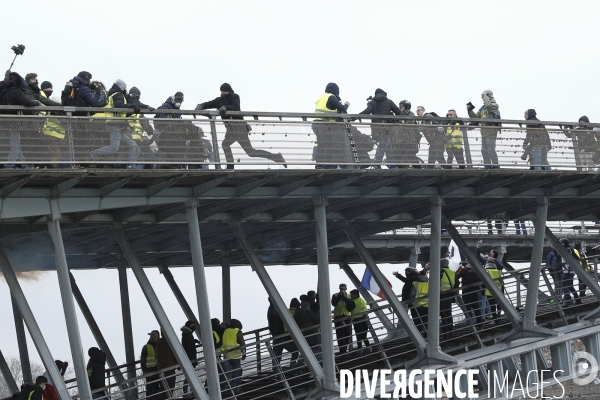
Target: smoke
[[32, 276]]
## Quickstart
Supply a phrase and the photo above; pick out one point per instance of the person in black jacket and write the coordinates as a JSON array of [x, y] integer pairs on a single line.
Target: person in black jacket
[[236, 131], [472, 290], [435, 135], [17, 96], [96, 371], [381, 133], [411, 276], [189, 346], [306, 318], [537, 143]]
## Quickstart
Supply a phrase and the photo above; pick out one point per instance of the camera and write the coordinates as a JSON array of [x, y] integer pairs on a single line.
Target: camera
[[470, 106], [18, 49]]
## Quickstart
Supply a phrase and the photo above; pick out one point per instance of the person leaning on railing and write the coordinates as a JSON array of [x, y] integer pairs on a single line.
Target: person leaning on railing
[[15, 95]]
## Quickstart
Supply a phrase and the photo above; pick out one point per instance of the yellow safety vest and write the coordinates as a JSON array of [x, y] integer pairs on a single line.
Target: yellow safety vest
[[52, 126], [454, 136], [422, 294], [360, 308], [496, 276], [230, 342], [136, 127], [321, 107], [151, 357], [583, 260], [340, 309], [292, 312], [111, 104], [448, 279]]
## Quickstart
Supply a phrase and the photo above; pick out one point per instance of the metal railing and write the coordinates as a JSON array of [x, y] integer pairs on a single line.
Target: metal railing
[[200, 140], [471, 326]]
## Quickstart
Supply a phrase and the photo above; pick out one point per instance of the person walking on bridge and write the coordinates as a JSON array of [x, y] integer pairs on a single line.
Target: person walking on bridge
[[236, 131], [536, 143], [567, 276], [343, 330], [360, 321]]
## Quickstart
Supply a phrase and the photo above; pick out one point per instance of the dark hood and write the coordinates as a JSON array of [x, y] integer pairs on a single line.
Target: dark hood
[[115, 89], [380, 91], [17, 80], [332, 88], [81, 81], [295, 303], [379, 97], [531, 114], [171, 102], [97, 356], [584, 118], [185, 329]]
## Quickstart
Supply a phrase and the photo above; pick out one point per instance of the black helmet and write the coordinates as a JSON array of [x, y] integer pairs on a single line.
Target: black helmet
[[565, 242], [406, 104]]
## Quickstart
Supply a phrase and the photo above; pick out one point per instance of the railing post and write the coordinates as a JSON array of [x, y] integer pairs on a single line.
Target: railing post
[[258, 356], [467, 147], [69, 111], [210, 355], [215, 141]]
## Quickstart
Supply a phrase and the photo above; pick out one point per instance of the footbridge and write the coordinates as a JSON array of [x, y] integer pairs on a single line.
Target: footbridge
[[175, 207]]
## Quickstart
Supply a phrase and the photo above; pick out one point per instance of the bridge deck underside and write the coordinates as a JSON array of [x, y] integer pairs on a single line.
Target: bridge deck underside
[[275, 208]]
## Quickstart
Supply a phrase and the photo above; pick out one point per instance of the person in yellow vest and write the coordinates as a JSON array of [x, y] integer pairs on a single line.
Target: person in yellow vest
[[139, 128], [234, 352], [54, 132], [448, 283], [420, 300], [149, 365], [454, 141], [360, 321], [343, 330], [329, 148], [496, 274], [118, 128]]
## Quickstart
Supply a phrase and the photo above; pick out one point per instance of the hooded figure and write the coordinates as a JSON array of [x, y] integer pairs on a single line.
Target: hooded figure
[[536, 143], [306, 318], [188, 342], [96, 369]]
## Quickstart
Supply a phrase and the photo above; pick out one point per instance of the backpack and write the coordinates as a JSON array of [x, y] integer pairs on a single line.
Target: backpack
[[69, 93]]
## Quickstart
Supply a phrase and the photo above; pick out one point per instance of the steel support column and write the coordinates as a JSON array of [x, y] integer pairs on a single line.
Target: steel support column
[[277, 301], [8, 377], [592, 345], [434, 352], [32, 326], [533, 284], [529, 368], [160, 314], [562, 359], [183, 303], [385, 321], [127, 326], [329, 380], [210, 356], [22, 343], [66, 294], [413, 258], [583, 276], [498, 386], [399, 310], [226, 284], [98, 336]]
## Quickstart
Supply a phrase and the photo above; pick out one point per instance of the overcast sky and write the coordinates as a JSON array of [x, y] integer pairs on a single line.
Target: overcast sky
[[279, 56]]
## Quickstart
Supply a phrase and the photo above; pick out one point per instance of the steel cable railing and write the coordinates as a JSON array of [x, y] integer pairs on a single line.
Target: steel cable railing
[[267, 376], [200, 141]]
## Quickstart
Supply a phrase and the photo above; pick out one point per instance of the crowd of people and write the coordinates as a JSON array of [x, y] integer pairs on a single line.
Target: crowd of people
[[349, 314], [172, 141]]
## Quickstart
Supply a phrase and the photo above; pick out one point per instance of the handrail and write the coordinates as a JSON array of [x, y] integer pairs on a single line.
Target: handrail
[[300, 115]]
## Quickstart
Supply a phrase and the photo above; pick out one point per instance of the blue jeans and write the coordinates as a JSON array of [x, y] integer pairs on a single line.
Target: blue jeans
[[116, 137], [488, 151], [539, 158], [520, 226], [485, 305], [233, 370]]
